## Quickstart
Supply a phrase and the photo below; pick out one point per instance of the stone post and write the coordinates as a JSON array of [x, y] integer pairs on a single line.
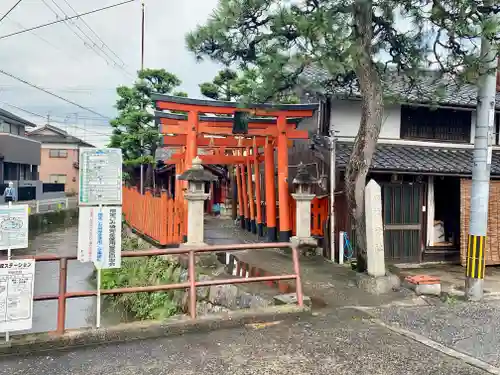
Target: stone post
[[303, 197], [195, 196], [374, 230]]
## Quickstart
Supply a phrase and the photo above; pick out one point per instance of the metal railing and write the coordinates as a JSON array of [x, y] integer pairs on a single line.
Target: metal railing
[[50, 205], [191, 283]]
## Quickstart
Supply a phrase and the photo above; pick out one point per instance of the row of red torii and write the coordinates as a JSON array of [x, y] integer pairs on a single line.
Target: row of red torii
[[188, 125]]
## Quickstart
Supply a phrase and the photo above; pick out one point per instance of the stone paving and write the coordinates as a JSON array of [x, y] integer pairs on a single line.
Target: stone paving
[[470, 328], [341, 343], [331, 284]]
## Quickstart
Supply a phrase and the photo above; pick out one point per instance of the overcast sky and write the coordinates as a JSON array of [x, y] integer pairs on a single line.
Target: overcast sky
[[58, 60]]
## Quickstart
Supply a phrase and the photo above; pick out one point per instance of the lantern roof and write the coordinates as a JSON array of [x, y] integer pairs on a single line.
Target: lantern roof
[[197, 173], [303, 177]]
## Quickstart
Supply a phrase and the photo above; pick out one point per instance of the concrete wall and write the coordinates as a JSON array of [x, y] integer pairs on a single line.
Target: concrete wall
[[61, 166]]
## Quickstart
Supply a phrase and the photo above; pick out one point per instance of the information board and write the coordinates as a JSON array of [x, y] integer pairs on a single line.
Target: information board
[[17, 282], [100, 236], [14, 226], [100, 176]]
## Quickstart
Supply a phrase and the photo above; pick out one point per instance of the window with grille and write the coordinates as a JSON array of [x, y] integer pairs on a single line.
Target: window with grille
[[439, 124]]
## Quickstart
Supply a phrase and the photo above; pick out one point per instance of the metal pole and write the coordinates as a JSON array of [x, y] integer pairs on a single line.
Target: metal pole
[[142, 68], [332, 191], [483, 142]]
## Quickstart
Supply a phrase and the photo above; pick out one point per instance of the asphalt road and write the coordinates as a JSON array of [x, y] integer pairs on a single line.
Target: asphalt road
[[342, 342]]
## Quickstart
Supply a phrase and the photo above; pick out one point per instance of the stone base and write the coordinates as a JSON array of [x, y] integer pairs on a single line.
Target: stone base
[[377, 285], [306, 245], [290, 299], [427, 289]]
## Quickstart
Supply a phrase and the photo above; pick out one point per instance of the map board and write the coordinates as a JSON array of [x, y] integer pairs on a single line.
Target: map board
[[17, 282], [99, 236], [14, 226], [100, 176]]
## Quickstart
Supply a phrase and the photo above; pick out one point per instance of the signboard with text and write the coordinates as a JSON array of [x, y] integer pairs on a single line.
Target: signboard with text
[[99, 236], [14, 226], [100, 176], [17, 282]]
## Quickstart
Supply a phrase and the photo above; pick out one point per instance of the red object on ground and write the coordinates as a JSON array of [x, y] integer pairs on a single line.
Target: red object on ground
[[422, 279]]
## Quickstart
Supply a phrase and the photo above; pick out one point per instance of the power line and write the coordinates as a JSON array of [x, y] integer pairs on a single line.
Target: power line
[[57, 122], [95, 33], [52, 94], [66, 19], [43, 39], [88, 42], [10, 10]]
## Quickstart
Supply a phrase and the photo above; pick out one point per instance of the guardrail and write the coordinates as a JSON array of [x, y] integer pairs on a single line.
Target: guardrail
[[190, 284], [49, 205]]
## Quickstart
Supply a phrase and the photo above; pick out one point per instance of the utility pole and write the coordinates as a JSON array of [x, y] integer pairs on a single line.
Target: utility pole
[[483, 142], [332, 190], [142, 107]]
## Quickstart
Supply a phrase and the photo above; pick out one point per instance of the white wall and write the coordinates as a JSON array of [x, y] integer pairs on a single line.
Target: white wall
[[346, 115]]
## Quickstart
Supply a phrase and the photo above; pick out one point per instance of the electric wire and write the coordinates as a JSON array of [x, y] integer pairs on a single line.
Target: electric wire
[[66, 19], [95, 33], [87, 41], [10, 10], [52, 94]]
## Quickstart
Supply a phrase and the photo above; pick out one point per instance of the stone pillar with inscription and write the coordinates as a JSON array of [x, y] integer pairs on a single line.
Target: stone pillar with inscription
[[374, 230]]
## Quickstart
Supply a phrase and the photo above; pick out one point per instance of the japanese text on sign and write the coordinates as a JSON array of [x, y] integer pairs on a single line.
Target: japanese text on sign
[[17, 281], [13, 227], [100, 176], [99, 236]]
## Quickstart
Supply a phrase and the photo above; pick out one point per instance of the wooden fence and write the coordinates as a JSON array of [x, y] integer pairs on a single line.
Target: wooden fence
[[158, 217]]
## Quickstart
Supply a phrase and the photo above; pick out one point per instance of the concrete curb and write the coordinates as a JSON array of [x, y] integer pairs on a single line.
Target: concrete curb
[[29, 344], [434, 345]]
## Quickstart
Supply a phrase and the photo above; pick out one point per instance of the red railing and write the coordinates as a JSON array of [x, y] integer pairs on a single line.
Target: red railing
[[157, 217], [190, 284]]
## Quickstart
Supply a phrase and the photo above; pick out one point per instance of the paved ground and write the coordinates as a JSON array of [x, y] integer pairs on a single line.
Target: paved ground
[[341, 343], [331, 283], [470, 328]]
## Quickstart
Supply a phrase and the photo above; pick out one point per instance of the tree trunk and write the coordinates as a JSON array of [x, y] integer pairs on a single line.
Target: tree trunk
[[369, 129]]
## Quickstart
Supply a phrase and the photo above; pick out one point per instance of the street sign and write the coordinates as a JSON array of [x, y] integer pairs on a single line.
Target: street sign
[[13, 226], [17, 282], [100, 176], [99, 236]]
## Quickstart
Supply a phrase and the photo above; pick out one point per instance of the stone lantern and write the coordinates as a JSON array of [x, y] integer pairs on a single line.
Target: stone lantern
[[195, 195], [303, 183]]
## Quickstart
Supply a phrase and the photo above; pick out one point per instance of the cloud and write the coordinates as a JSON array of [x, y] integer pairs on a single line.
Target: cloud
[[58, 60]]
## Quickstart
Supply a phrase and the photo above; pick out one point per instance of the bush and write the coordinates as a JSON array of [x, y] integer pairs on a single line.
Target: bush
[[143, 272]]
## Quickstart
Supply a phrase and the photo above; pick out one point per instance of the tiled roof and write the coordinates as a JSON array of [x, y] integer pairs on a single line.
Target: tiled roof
[[316, 79], [409, 158]]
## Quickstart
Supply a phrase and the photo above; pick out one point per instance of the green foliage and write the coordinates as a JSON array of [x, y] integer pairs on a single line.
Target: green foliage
[[243, 86], [134, 129], [142, 272], [279, 39]]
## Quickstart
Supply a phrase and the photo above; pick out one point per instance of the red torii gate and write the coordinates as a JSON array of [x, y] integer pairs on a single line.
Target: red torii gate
[[272, 126]]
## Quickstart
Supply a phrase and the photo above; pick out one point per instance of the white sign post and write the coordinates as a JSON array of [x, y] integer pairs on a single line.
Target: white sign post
[[100, 212], [16, 296]]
